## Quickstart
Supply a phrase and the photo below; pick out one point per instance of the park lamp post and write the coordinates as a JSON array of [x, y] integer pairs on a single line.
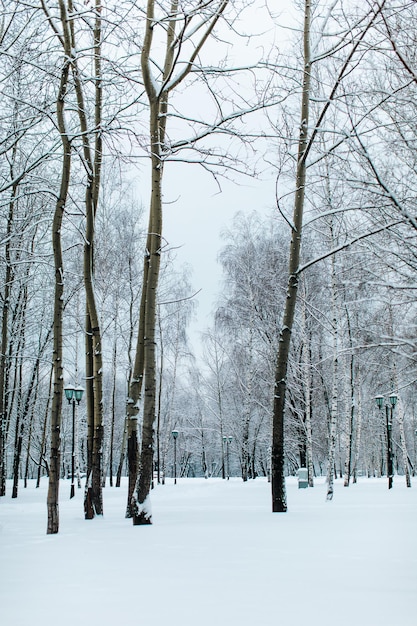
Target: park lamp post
[[74, 396], [389, 412], [227, 441], [224, 466], [175, 436]]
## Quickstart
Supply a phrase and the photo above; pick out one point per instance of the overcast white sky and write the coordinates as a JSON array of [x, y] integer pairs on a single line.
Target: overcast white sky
[[195, 211], [194, 224]]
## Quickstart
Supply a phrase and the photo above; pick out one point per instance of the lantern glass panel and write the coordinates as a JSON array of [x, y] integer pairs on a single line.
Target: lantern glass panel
[[379, 401], [393, 399], [69, 392], [78, 393]]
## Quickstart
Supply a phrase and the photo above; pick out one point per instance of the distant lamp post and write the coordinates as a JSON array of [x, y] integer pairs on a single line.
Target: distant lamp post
[[74, 396], [224, 457], [227, 441], [389, 413], [175, 437]]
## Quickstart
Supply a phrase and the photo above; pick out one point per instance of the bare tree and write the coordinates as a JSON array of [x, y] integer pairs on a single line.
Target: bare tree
[[58, 379], [306, 140]]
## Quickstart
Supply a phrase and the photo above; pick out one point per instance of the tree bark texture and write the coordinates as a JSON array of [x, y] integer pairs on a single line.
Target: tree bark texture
[[279, 497], [58, 380], [142, 513], [158, 96], [4, 341], [334, 405]]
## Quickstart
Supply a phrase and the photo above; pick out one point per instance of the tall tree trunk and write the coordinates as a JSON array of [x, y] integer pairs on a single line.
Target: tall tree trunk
[[4, 343], [58, 379], [134, 396], [122, 455], [159, 405], [334, 408], [93, 503], [158, 108], [400, 419], [89, 397], [113, 402], [247, 410], [359, 421], [279, 499], [279, 496], [350, 416], [306, 358], [145, 352], [142, 512], [42, 453]]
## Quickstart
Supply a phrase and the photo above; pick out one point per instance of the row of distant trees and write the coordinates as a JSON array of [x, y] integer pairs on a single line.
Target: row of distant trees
[[317, 314]]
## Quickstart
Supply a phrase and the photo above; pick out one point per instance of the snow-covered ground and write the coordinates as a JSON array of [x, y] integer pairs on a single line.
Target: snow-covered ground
[[215, 556]]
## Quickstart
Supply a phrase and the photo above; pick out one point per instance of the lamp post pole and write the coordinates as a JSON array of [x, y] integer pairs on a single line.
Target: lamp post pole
[[73, 395], [175, 435], [224, 456], [72, 493], [389, 413], [228, 442]]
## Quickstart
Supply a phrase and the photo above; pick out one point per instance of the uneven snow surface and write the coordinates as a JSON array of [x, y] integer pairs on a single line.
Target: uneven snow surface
[[214, 556]]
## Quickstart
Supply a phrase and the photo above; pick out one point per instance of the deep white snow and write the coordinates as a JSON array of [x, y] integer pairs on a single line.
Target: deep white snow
[[214, 556]]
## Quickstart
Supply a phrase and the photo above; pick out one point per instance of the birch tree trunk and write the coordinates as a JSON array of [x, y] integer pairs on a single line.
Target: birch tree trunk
[[399, 410], [359, 421], [247, 408], [113, 400], [306, 355], [350, 413], [333, 413]]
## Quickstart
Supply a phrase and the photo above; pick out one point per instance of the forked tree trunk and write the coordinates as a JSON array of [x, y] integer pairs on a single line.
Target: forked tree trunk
[[93, 504], [158, 103]]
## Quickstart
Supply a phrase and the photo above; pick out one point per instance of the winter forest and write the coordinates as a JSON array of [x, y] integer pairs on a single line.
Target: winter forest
[[310, 357]]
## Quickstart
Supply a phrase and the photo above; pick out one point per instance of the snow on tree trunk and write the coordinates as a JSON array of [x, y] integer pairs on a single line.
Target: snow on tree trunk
[[359, 422], [306, 356], [400, 419], [279, 497], [333, 412], [58, 380]]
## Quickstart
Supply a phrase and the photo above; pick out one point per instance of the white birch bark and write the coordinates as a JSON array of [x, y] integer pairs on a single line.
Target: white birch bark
[[399, 410], [359, 421], [333, 413], [350, 415], [307, 386]]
